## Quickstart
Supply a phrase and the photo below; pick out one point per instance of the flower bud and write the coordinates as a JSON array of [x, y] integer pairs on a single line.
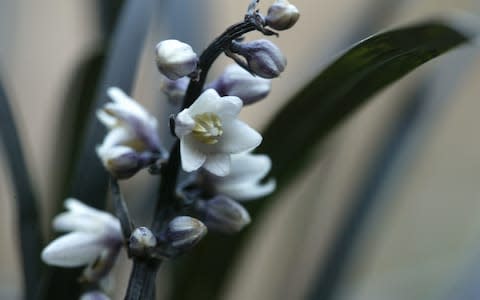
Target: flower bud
[[175, 89], [263, 57], [94, 295], [225, 215], [142, 239], [175, 59], [123, 162], [236, 81], [282, 15], [184, 232]]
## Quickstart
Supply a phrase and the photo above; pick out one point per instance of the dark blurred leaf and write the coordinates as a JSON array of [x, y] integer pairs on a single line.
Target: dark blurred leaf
[[24, 198], [90, 181], [108, 12], [77, 104], [347, 83], [409, 131]]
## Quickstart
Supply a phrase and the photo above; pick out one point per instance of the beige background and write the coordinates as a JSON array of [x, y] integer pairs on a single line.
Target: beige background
[[415, 250]]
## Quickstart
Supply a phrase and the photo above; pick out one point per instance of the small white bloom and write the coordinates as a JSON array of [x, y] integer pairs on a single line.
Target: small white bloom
[[243, 182], [236, 81], [210, 132], [176, 59], [132, 142], [91, 234]]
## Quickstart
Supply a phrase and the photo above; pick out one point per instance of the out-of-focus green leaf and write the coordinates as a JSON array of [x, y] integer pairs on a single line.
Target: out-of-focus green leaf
[[24, 198], [347, 83], [90, 181]]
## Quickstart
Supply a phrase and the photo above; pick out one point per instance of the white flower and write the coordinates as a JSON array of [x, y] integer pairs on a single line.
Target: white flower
[[175, 59], [243, 182], [132, 142], [92, 234], [209, 133]]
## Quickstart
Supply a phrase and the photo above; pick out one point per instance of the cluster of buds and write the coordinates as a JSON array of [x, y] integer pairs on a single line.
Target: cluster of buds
[[212, 144]]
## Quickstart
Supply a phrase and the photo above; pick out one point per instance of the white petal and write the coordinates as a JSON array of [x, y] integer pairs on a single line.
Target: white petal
[[207, 102], [238, 137], [80, 210], [124, 106], [73, 250], [116, 136], [247, 190], [183, 123], [192, 158], [247, 167], [106, 119], [229, 107], [218, 164]]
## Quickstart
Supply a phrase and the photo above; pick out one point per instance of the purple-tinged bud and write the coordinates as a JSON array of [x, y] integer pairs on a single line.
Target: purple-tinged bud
[[225, 215], [141, 240], [176, 59], [94, 295], [282, 15], [123, 162], [184, 232], [263, 57], [236, 81], [175, 89]]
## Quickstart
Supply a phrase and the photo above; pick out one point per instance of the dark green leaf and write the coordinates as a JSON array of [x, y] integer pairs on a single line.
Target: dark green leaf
[[24, 198], [347, 83], [90, 181]]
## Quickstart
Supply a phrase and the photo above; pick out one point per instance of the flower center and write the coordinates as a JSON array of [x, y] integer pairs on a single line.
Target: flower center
[[208, 128]]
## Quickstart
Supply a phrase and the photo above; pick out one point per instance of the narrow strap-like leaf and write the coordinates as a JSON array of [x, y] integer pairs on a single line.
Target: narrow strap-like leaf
[[331, 97], [28, 222], [90, 180]]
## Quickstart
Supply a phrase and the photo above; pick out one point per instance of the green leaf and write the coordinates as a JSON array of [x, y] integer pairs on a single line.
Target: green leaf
[[347, 83], [90, 181], [25, 198]]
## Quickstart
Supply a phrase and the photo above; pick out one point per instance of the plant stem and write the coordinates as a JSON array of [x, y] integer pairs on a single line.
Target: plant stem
[[141, 284]]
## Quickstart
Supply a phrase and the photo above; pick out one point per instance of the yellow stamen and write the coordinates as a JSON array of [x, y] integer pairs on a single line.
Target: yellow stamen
[[208, 128]]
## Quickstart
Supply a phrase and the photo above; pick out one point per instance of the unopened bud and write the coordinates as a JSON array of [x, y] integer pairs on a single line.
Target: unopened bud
[[176, 59], [94, 295], [174, 89], [141, 240], [236, 81], [263, 57], [282, 15], [184, 232], [225, 215], [123, 162]]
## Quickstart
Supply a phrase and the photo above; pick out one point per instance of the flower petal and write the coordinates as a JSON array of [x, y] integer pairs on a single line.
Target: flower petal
[[191, 157], [246, 190], [218, 164], [238, 137], [206, 102], [247, 167], [73, 250]]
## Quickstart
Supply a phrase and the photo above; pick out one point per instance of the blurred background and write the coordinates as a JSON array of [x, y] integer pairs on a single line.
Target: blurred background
[[421, 240]]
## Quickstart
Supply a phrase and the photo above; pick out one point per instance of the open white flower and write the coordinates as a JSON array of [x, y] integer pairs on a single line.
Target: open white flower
[[132, 141], [92, 234], [243, 182], [210, 132]]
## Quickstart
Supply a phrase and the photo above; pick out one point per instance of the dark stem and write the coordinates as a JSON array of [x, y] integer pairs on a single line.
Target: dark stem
[[120, 208], [141, 284]]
